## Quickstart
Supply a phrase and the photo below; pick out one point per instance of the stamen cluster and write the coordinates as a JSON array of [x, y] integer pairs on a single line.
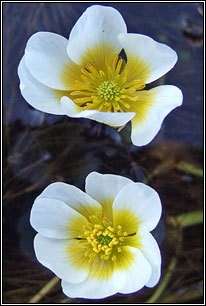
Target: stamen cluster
[[107, 89], [102, 239]]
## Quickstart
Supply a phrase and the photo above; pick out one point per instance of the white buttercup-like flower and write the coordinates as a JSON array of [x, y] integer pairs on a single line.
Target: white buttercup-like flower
[[99, 242], [86, 77]]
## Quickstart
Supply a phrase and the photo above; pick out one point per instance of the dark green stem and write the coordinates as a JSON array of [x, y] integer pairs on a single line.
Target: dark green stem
[[187, 219], [164, 282]]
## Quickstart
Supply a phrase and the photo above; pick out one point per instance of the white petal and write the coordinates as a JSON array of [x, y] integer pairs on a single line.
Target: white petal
[[113, 119], [94, 288], [97, 24], [71, 196], [46, 58], [53, 254], [105, 186], [167, 98], [157, 56], [138, 273], [55, 219], [89, 289], [36, 94], [124, 281], [151, 252], [140, 200]]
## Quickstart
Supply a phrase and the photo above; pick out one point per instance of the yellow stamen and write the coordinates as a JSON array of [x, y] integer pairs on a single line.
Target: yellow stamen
[[119, 65], [108, 251], [107, 85], [102, 74], [103, 241]]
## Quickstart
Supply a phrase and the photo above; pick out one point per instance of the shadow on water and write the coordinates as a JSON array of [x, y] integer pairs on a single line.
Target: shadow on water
[[40, 149]]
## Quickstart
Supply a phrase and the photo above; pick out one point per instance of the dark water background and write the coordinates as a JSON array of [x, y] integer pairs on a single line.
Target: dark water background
[[39, 148]]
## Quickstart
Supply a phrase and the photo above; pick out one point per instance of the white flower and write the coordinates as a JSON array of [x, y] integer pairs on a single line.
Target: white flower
[[98, 242], [84, 76]]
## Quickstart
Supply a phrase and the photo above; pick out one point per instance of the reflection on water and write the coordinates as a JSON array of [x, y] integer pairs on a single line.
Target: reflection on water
[[40, 149]]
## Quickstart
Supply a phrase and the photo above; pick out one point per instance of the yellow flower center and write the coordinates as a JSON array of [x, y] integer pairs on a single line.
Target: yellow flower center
[[101, 239], [107, 89]]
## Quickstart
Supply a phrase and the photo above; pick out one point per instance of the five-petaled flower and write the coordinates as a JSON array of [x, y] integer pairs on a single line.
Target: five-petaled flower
[[99, 242], [86, 76]]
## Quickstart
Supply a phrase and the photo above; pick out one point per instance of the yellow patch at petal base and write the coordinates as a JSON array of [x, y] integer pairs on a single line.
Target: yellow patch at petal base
[[107, 208], [124, 259], [127, 220], [97, 54], [87, 210], [100, 269], [103, 270], [143, 105], [134, 241], [76, 225], [76, 255], [69, 74], [138, 68]]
